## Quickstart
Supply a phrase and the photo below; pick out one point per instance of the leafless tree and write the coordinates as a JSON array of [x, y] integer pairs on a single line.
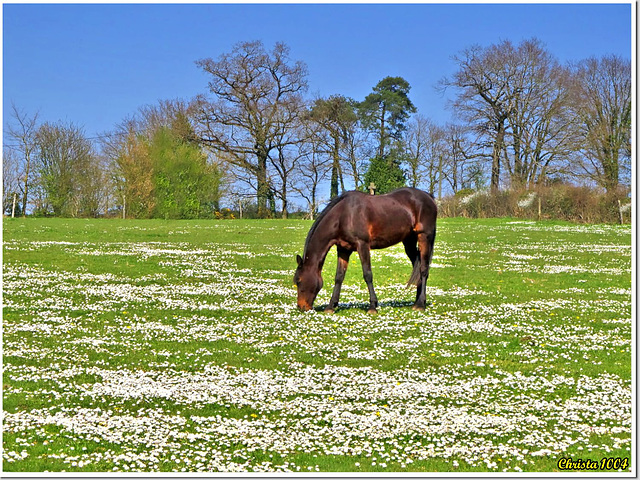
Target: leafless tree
[[254, 94], [312, 168], [358, 148], [541, 128], [425, 154], [291, 149], [22, 130], [336, 116], [484, 98], [603, 106], [518, 98], [11, 176], [416, 145]]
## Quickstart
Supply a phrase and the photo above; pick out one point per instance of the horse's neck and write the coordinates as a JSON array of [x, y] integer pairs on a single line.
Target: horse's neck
[[317, 249]]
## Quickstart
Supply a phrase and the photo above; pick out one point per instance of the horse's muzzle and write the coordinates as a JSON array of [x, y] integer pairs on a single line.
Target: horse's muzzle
[[304, 307]]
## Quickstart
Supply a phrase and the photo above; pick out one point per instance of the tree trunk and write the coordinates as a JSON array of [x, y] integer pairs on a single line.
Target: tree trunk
[[263, 187], [26, 187], [382, 135], [497, 149], [611, 169], [440, 159], [285, 212], [518, 176], [335, 169]]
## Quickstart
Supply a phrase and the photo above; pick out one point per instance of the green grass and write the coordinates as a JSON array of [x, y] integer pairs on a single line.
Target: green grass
[[176, 346]]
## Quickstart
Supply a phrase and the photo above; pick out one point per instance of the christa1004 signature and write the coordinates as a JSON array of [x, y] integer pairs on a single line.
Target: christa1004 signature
[[603, 464]]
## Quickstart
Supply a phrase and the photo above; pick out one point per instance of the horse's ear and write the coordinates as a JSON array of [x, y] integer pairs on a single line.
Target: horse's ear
[[299, 260]]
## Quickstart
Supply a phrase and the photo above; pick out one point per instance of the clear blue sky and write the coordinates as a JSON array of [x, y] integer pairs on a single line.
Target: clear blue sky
[[96, 64]]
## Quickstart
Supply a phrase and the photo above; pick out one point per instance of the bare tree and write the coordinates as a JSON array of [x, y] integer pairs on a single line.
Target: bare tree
[[541, 128], [284, 161], [518, 98], [483, 80], [357, 149], [312, 167], [337, 118], [290, 146], [22, 130], [425, 154], [604, 108], [463, 160], [254, 93], [416, 145], [10, 180]]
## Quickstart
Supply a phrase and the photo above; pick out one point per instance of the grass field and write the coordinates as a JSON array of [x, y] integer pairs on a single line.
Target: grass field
[[176, 346]]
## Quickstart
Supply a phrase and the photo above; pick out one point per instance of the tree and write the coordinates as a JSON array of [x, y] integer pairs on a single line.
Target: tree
[[132, 173], [310, 171], [23, 132], [385, 111], [291, 145], [92, 188], [483, 98], [385, 173], [517, 99], [603, 105], [541, 128], [183, 181], [358, 150], [10, 181], [255, 98], [337, 118], [64, 158], [425, 154], [462, 168], [158, 167]]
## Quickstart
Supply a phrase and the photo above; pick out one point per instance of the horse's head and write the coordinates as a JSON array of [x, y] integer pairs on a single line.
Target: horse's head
[[308, 281]]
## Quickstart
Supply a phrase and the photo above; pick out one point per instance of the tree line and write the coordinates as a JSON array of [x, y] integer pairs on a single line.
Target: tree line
[[255, 140]]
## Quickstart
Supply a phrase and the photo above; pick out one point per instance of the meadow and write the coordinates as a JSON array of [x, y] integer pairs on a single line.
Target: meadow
[[176, 346]]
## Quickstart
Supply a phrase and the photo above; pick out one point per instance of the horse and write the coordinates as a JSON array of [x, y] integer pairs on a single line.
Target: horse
[[356, 221]]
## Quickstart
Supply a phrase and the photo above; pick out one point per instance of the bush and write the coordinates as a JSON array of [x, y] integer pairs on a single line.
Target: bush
[[561, 202]]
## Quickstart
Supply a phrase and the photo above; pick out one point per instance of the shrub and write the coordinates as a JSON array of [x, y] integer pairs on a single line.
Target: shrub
[[563, 202]]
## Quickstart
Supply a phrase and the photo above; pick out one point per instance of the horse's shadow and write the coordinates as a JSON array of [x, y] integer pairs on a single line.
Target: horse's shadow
[[365, 305]]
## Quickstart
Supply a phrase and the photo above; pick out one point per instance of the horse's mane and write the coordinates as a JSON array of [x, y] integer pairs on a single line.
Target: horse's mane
[[319, 218]]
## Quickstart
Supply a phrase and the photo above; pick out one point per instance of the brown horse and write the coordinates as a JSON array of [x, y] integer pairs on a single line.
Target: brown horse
[[355, 221]]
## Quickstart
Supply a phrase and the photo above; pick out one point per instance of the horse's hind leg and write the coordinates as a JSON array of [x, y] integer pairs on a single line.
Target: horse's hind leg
[[425, 247], [343, 263], [365, 258], [411, 250]]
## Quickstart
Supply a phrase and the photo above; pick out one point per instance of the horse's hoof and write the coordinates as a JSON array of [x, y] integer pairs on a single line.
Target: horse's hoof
[[372, 311], [329, 310], [417, 308]]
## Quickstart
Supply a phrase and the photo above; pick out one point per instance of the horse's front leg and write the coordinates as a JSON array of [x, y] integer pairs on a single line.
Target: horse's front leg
[[343, 263], [365, 258]]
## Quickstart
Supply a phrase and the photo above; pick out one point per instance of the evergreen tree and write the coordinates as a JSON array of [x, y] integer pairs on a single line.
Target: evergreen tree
[[385, 111], [385, 173]]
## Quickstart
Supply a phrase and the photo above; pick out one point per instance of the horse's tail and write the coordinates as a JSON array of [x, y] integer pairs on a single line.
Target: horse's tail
[[414, 279]]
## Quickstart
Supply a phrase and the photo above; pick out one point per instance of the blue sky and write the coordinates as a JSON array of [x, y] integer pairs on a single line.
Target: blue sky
[[96, 64]]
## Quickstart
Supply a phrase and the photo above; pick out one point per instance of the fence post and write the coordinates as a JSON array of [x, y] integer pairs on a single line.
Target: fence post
[[13, 209], [620, 212], [539, 208]]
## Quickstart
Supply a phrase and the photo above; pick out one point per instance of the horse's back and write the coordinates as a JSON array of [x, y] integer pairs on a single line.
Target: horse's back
[[423, 202], [384, 220]]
